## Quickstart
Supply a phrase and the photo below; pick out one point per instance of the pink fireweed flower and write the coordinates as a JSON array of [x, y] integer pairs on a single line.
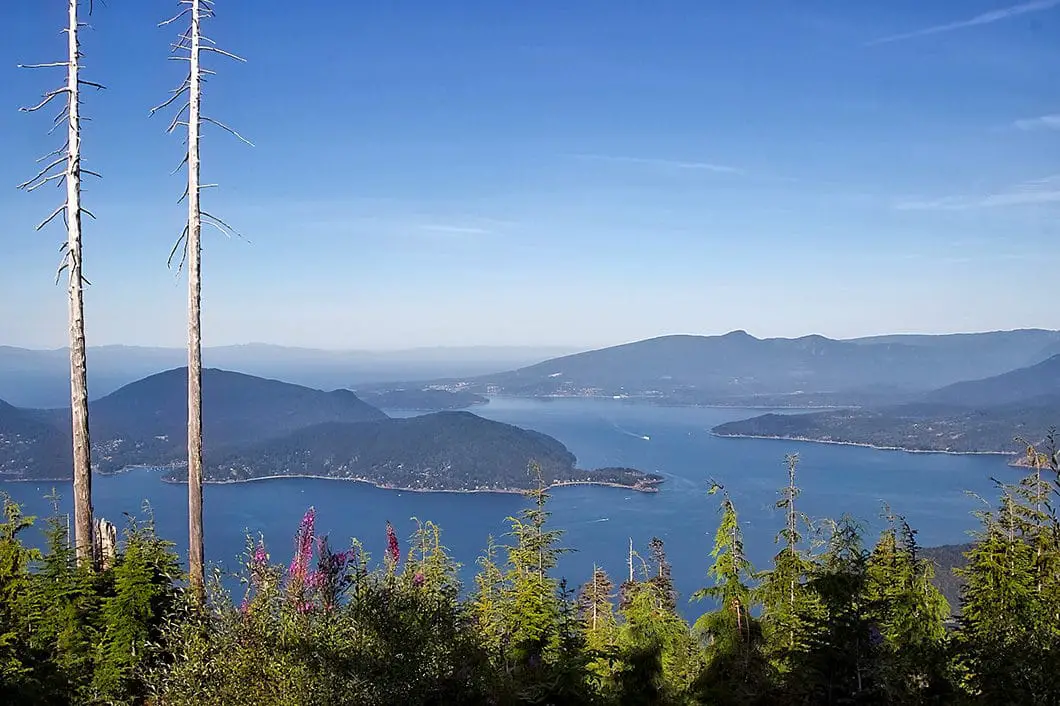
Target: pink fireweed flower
[[418, 579], [303, 546], [393, 549]]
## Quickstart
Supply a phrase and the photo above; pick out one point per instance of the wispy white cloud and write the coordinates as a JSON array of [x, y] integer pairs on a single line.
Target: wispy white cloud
[[456, 230], [985, 18], [1029, 193], [1042, 122], [667, 163]]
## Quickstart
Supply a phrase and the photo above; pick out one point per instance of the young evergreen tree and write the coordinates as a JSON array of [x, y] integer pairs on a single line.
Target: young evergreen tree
[[487, 602], [736, 670], [661, 574], [533, 601], [1005, 638], [659, 657], [841, 661], [781, 591], [910, 614], [596, 610], [18, 681], [537, 625]]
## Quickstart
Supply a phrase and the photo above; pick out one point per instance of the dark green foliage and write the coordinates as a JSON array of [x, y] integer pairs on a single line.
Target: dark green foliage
[[1008, 643], [339, 633], [910, 614], [736, 670], [829, 622], [70, 635]]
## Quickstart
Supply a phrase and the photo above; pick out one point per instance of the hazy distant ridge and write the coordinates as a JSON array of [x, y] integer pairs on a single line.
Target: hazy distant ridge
[[738, 368]]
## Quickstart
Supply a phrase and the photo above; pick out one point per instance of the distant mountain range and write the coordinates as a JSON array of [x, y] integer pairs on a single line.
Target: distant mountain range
[[739, 369], [974, 416], [959, 392], [40, 378], [254, 427]]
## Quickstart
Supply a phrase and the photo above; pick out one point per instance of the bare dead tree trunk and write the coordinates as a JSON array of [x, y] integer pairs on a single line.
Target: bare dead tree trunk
[[69, 157], [631, 560], [75, 279], [192, 41], [196, 570], [105, 546], [793, 526]]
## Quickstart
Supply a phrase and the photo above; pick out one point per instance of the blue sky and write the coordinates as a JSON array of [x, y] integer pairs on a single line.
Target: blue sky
[[578, 173]]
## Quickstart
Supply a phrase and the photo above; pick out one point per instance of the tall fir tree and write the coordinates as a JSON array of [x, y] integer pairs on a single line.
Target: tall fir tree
[[841, 660], [736, 670], [910, 615], [596, 610], [786, 602]]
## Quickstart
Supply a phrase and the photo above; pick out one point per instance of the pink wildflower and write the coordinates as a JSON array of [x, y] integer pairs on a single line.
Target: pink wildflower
[[418, 579], [393, 549], [303, 546]]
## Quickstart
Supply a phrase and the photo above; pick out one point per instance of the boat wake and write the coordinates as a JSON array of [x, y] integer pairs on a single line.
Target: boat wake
[[627, 432]]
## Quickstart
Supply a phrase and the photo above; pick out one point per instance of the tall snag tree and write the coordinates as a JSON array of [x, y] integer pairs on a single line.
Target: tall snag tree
[[190, 116], [66, 169]]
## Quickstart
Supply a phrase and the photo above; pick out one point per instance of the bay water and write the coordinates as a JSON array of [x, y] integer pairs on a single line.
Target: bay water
[[930, 490]]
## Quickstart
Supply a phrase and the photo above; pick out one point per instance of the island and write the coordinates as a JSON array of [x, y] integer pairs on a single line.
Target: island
[[924, 428], [444, 451], [993, 415], [256, 428]]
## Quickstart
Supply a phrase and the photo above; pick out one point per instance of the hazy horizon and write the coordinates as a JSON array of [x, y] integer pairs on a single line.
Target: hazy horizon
[[515, 348], [574, 175]]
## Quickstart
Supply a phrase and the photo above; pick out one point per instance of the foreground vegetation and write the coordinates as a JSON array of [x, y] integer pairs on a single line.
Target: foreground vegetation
[[830, 621]]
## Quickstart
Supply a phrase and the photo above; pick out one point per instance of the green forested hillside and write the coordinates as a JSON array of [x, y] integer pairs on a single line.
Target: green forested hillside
[[440, 451]]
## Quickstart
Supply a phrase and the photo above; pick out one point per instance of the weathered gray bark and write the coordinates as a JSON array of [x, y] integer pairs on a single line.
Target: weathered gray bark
[[75, 286], [105, 543], [66, 168], [192, 41], [196, 570]]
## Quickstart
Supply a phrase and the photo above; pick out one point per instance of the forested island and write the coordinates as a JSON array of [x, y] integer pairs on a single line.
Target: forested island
[[977, 416], [257, 428], [923, 427], [445, 451]]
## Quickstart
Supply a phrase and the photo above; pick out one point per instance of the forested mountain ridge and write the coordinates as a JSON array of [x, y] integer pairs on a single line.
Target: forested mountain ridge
[[255, 427], [975, 416], [1021, 385], [26, 441], [737, 368]]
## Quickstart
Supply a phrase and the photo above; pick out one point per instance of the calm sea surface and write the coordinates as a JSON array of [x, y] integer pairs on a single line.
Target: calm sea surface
[[929, 489]]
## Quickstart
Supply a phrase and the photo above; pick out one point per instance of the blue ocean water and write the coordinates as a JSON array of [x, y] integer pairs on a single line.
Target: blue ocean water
[[929, 489]]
